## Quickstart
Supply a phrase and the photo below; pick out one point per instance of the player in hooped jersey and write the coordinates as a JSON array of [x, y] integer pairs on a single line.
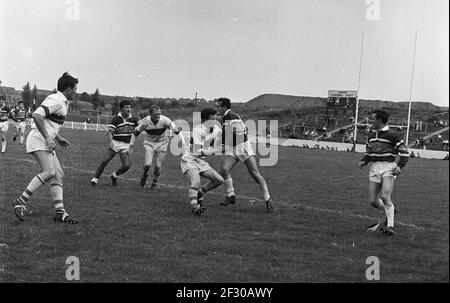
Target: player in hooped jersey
[[120, 141], [237, 149], [19, 116], [382, 148], [155, 143], [41, 143], [203, 143], [4, 115]]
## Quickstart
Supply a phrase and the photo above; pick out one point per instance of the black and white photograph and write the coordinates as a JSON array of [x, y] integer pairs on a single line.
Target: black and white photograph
[[224, 148]]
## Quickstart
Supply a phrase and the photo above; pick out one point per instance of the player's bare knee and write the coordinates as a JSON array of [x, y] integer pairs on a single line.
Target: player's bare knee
[[218, 181], [59, 174], [386, 198], [255, 175], [195, 184], [48, 174]]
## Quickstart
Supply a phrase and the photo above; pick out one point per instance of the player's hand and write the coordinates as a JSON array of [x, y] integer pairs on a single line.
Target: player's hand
[[362, 164], [130, 149], [50, 143], [397, 170], [111, 145], [64, 143]]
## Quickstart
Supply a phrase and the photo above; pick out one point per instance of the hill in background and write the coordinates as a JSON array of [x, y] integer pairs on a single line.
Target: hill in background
[[277, 101]]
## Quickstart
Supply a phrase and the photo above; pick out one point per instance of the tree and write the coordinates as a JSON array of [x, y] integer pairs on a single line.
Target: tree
[[85, 97], [115, 106], [175, 103], [26, 95], [161, 104], [95, 99]]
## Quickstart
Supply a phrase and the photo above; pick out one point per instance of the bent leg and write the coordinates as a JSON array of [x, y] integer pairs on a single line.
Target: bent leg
[[252, 168]]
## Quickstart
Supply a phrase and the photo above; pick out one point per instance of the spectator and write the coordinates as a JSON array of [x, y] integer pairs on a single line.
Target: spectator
[[413, 155], [445, 143]]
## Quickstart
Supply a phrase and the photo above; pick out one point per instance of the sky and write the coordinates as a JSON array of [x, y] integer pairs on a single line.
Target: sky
[[235, 49]]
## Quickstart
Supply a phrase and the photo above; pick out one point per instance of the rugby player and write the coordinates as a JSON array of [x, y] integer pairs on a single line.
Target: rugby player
[[120, 141], [41, 143], [4, 115], [193, 163], [382, 148], [155, 143], [237, 149], [19, 117]]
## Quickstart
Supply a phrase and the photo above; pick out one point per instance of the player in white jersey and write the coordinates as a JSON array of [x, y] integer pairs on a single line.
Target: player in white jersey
[[19, 117], [4, 115], [203, 143], [156, 141], [41, 143]]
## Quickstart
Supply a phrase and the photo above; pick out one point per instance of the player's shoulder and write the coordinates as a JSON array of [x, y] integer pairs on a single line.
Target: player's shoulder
[[392, 136], [165, 119], [134, 120], [231, 115], [116, 119]]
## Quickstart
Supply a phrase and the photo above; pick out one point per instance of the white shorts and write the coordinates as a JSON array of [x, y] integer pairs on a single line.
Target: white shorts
[[379, 170], [20, 125], [241, 151], [36, 142], [120, 147], [191, 162], [157, 147], [4, 126]]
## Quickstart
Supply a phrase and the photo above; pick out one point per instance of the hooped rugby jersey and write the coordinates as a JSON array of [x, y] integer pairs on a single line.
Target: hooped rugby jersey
[[54, 109], [156, 132], [233, 129], [19, 115], [122, 128], [385, 146], [4, 113]]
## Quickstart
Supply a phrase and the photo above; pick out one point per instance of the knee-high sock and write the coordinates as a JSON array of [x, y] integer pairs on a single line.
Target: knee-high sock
[[228, 183], [3, 145], [264, 190], [56, 191], [390, 212], [193, 196], [32, 187]]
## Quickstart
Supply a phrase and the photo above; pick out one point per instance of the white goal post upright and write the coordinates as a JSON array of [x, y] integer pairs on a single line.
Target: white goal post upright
[[357, 92], [410, 91]]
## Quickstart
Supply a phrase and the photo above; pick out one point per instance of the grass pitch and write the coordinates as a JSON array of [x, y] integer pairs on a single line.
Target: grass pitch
[[132, 234]]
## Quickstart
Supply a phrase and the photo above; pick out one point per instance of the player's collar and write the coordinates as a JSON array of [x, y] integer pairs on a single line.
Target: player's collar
[[120, 115], [226, 112], [386, 128], [61, 95]]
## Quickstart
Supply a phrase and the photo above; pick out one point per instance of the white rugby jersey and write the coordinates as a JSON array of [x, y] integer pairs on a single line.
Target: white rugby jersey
[[202, 138], [54, 109], [156, 132]]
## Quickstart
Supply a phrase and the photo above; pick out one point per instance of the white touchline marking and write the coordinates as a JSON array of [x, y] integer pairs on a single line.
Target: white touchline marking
[[324, 210]]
